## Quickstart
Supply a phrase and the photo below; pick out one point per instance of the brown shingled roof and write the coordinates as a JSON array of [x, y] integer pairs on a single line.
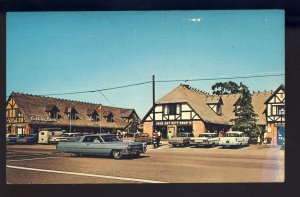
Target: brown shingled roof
[[195, 99], [258, 100], [228, 105], [32, 105], [199, 101]]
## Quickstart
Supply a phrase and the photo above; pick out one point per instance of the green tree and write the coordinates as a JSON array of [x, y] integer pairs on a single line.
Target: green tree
[[225, 88], [246, 119]]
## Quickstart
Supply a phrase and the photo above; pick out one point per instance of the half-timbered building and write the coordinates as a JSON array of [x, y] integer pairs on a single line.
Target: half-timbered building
[[27, 113], [275, 115], [187, 109]]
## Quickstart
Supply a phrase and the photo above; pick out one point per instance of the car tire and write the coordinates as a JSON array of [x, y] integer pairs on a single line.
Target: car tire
[[137, 154], [117, 154], [212, 145], [75, 154]]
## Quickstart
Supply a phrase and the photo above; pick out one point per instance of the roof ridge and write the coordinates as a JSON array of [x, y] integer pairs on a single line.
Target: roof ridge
[[61, 99], [194, 89]]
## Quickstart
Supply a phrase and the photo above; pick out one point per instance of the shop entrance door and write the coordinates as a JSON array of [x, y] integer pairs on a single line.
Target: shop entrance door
[[163, 131], [280, 135], [19, 130], [171, 131]]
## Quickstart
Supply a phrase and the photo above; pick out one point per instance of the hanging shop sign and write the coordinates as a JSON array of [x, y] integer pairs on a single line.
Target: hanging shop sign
[[163, 123]]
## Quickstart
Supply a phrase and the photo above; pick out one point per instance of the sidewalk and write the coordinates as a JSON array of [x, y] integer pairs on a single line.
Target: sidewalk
[[162, 144]]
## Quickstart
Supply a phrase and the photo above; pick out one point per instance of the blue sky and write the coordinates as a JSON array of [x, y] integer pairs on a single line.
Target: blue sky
[[57, 52]]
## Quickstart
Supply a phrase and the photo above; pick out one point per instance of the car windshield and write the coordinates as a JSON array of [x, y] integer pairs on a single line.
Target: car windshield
[[232, 135], [181, 135], [206, 135], [73, 139], [110, 138]]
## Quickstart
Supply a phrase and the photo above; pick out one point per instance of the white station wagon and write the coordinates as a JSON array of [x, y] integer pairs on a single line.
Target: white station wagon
[[234, 138]]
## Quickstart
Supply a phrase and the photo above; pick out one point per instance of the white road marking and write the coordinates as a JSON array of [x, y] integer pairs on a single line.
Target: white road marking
[[33, 159], [24, 155], [84, 174]]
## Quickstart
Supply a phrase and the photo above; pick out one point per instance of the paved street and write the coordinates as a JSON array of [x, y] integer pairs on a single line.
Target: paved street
[[40, 164]]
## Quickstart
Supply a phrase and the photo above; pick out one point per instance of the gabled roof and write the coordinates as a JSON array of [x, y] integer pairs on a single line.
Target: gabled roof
[[91, 111], [126, 113], [213, 99], [258, 103], [51, 107], [199, 101], [106, 113], [281, 87], [195, 99], [33, 105], [228, 105]]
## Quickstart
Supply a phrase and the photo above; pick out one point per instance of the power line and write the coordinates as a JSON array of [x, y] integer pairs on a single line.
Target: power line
[[100, 90], [164, 81], [107, 99], [219, 78]]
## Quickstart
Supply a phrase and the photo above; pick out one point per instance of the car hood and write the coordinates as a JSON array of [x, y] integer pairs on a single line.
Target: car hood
[[59, 138], [126, 143], [201, 138], [178, 138]]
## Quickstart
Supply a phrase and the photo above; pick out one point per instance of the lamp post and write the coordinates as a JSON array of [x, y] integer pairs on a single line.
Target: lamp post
[[70, 116], [100, 118]]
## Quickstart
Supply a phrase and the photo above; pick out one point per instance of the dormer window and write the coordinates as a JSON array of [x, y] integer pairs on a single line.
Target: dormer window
[[71, 113], [52, 111], [110, 118], [93, 115], [53, 115], [219, 109]]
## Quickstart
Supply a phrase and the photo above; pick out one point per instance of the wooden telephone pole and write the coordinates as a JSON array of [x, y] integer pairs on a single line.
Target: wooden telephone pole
[[153, 107]]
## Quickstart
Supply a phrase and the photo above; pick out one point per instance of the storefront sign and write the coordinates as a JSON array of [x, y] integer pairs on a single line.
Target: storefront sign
[[163, 123]]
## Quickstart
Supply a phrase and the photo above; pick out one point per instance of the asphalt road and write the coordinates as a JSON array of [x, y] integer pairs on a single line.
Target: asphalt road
[[40, 164]]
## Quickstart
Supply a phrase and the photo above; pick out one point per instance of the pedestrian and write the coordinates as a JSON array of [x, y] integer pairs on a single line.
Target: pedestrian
[[158, 138], [155, 139]]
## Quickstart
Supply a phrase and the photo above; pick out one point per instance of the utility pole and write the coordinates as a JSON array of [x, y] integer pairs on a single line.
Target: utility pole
[[100, 118], [153, 107], [70, 114]]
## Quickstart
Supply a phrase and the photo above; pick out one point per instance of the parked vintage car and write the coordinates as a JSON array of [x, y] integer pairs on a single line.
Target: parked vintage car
[[28, 139], [45, 136], [11, 138], [181, 139], [129, 137], [143, 137], [234, 138], [205, 139], [63, 137], [102, 144]]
